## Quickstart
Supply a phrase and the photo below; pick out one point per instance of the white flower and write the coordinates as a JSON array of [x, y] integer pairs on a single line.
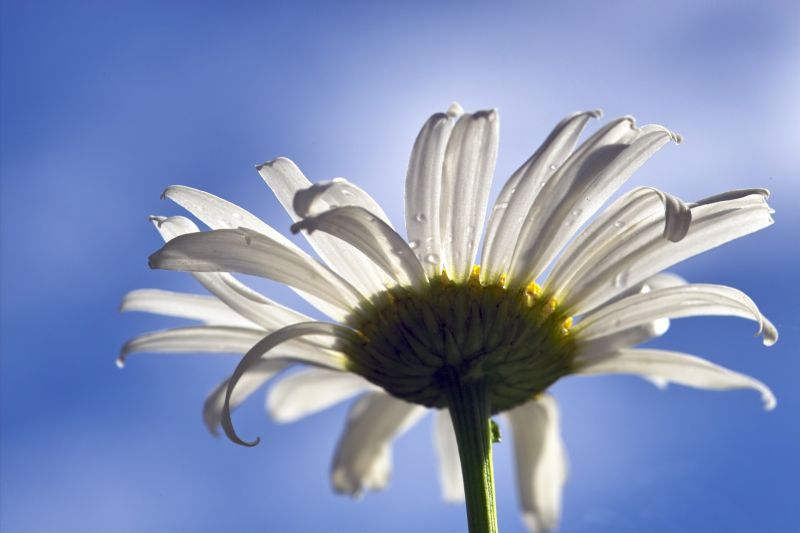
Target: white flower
[[407, 313]]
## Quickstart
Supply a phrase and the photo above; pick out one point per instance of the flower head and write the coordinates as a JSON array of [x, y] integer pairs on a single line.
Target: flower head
[[411, 318]]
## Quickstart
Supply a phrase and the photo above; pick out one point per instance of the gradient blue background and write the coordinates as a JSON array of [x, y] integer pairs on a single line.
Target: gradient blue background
[[106, 103]]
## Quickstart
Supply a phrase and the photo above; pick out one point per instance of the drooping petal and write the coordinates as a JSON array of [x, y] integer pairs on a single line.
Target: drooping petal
[[373, 422], [519, 193], [256, 376], [248, 252], [312, 390], [625, 216], [206, 309], [675, 302], [286, 181], [638, 254], [193, 339], [466, 179], [424, 188], [246, 301], [541, 461], [585, 181], [372, 237], [446, 447], [340, 335], [674, 367]]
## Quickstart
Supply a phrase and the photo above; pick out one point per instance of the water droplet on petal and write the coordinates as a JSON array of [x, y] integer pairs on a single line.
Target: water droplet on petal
[[236, 215], [619, 223], [621, 279], [420, 217], [432, 259], [502, 205], [577, 212], [413, 244], [553, 167], [347, 192], [120, 362]]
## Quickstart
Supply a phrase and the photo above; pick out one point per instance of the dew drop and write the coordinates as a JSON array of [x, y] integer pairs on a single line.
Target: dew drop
[[413, 244], [346, 192], [619, 223], [120, 362], [432, 259], [553, 167], [420, 217], [577, 212], [621, 279], [502, 205]]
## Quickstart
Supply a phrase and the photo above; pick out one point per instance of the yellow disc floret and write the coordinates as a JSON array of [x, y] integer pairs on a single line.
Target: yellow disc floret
[[517, 341]]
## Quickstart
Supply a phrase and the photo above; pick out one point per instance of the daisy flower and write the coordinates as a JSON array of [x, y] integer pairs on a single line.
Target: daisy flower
[[418, 324]]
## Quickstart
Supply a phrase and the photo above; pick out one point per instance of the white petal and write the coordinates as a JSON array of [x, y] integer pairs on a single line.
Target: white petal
[[249, 303], [519, 193], [374, 421], [643, 252], [675, 302], [312, 390], [450, 477], [193, 339], [586, 180], [256, 376], [339, 335], [183, 305], [338, 192], [624, 338], [675, 367], [466, 179], [286, 181], [623, 218], [217, 213], [541, 461], [424, 189], [372, 237], [249, 252]]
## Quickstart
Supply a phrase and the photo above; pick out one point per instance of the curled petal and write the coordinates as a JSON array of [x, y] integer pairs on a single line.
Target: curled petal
[[257, 353], [642, 251], [625, 216]]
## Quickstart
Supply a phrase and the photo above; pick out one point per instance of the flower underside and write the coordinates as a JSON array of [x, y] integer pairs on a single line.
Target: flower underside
[[517, 341]]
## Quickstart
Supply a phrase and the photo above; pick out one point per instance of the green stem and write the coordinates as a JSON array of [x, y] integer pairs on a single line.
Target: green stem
[[470, 411]]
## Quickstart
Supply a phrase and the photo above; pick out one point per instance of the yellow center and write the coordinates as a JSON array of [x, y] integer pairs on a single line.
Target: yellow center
[[517, 341]]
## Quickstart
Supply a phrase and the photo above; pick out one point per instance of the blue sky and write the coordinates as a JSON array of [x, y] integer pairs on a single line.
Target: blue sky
[[104, 104]]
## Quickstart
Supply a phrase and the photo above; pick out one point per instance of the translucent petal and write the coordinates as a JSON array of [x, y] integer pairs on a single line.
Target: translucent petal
[[372, 237], [466, 179], [374, 420], [312, 390], [520, 191], [674, 367], [541, 461]]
